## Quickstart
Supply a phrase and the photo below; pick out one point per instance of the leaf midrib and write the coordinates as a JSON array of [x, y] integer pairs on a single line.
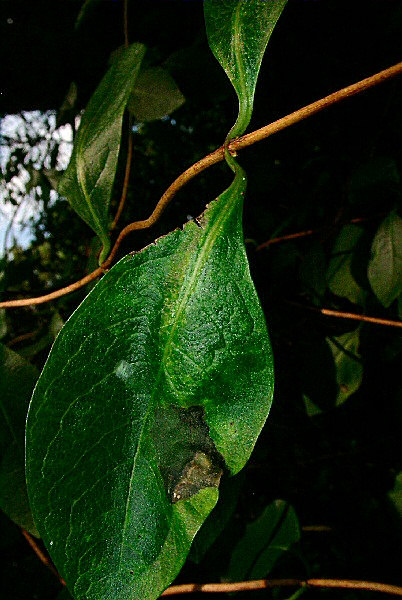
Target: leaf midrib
[[208, 243]]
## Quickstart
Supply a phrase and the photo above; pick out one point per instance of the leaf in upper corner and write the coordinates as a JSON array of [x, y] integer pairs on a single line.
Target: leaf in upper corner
[[88, 180], [348, 365], [144, 399], [340, 278], [154, 95], [17, 380], [264, 541], [385, 266], [238, 32], [86, 9]]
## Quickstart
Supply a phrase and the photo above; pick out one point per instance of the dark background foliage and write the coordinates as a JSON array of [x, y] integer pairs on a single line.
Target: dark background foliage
[[336, 468]]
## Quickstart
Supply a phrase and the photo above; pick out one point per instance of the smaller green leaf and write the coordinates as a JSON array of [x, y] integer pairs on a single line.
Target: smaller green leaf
[[265, 540], [385, 266], [154, 95], [349, 369], [88, 180], [216, 522], [238, 32], [340, 278], [17, 380]]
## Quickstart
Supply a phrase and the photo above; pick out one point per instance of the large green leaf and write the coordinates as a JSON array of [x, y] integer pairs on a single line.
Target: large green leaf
[[385, 266], [17, 380], [238, 32], [160, 380], [265, 539], [88, 180]]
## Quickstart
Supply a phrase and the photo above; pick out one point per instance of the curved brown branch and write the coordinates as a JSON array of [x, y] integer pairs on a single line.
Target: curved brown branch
[[346, 315], [212, 159], [308, 232], [262, 584]]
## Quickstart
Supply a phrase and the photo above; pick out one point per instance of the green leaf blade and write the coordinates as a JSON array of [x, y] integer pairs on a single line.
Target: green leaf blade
[[163, 385], [155, 95], [238, 32], [385, 266], [265, 539], [348, 365], [88, 180]]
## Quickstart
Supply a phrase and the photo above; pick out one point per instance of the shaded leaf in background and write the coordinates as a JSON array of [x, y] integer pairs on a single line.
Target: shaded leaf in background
[[340, 278], [312, 273], [17, 380], [154, 95], [348, 365], [216, 522], [264, 541], [45, 340], [238, 33], [385, 266], [85, 10], [374, 179], [396, 494], [317, 375], [88, 180]]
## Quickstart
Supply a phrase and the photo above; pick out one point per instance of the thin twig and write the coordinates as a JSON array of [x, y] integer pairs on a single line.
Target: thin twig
[[41, 555], [316, 528], [261, 584], [307, 232], [125, 23], [346, 315], [126, 174], [206, 162], [130, 139], [22, 338]]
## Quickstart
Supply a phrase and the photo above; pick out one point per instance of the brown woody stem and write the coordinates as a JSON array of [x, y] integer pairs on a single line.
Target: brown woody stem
[[212, 159]]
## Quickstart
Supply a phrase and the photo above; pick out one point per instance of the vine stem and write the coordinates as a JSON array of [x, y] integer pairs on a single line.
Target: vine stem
[[258, 584], [262, 584], [346, 315], [206, 162], [308, 232]]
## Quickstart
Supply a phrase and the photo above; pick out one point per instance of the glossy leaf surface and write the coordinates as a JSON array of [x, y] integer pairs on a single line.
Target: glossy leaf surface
[[155, 95], [88, 180], [113, 440], [385, 266], [17, 380], [238, 32], [265, 539]]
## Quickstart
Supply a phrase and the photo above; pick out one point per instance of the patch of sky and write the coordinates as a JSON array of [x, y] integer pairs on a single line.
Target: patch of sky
[[30, 142]]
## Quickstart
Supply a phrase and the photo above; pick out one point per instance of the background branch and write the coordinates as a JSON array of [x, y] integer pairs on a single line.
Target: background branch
[[261, 584]]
